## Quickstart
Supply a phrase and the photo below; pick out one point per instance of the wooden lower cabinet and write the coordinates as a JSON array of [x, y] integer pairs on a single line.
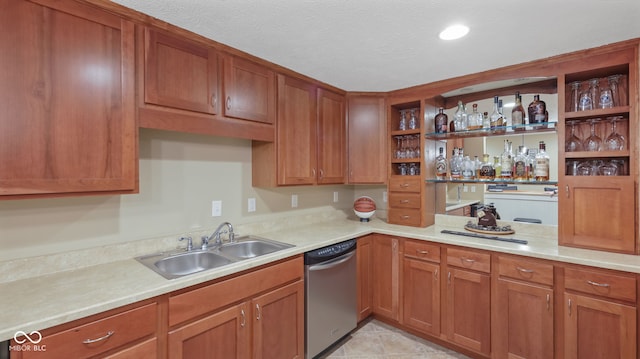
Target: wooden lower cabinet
[[421, 295], [144, 350], [364, 260], [386, 276]]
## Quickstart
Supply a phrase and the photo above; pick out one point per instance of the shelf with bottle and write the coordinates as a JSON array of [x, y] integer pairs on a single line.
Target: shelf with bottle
[[492, 181], [405, 120], [516, 130]]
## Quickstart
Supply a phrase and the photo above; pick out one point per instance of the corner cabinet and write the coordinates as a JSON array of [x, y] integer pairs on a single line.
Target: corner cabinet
[[597, 195], [67, 97]]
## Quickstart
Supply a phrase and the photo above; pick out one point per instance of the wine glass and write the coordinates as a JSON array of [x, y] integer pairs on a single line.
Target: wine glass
[[403, 121], [575, 95], [573, 142], [615, 141], [593, 142], [613, 84]]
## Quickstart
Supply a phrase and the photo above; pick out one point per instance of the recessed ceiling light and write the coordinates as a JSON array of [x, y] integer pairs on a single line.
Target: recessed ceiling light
[[454, 32]]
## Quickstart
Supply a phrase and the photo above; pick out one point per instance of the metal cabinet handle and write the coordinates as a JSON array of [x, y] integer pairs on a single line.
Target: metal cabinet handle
[[596, 284], [404, 185], [422, 252], [321, 173], [107, 336], [566, 190], [228, 102], [406, 217], [569, 305], [258, 312], [435, 274], [313, 172], [449, 278], [548, 301], [214, 101], [523, 270], [468, 260], [404, 201], [243, 317]]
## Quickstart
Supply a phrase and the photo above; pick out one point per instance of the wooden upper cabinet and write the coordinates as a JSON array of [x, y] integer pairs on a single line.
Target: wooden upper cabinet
[[296, 132], [332, 152], [180, 73], [249, 90], [67, 123], [367, 139]]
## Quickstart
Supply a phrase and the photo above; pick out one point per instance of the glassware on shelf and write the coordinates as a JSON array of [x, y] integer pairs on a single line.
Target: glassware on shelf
[[573, 143], [586, 101], [413, 169], [594, 90], [606, 98], [518, 115], [608, 169], [413, 121], [575, 95], [614, 81], [402, 169], [403, 121], [615, 141], [441, 121], [585, 169], [538, 113], [474, 120], [441, 165], [593, 142], [460, 118], [399, 154]]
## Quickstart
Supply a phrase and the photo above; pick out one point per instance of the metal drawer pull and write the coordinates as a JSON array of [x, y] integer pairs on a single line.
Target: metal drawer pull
[[404, 201], [406, 217], [603, 285], [258, 311], [449, 278], [91, 341], [404, 185], [566, 189], [214, 101], [244, 318], [435, 274], [228, 102], [422, 252], [523, 270], [569, 307], [468, 260]]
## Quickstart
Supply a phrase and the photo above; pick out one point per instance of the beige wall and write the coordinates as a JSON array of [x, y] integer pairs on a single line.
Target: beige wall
[[180, 174]]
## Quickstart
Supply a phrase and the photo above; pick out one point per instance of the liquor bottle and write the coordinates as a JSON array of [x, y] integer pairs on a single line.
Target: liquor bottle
[[506, 161], [441, 121], [487, 172], [486, 122], [477, 163], [496, 119], [532, 162], [460, 117], [441, 165], [474, 119], [455, 166], [497, 167], [518, 114], [521, 165], [542, 163], [537, 112], [468, 168]]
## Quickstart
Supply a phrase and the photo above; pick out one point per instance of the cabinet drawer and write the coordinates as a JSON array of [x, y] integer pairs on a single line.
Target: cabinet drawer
[[405, 184], [196, 302], [124, 327], [408, 217], [601, 283], [468, 259], [405, 200], [422, 250], [526, 269]]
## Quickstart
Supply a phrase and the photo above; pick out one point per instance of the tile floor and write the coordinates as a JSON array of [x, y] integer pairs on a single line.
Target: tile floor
[[376, 340]]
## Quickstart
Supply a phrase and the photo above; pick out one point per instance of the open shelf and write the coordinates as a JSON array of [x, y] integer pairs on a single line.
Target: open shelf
[[516, 130]]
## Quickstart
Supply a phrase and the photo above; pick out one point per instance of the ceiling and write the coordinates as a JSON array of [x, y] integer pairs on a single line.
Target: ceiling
[[383, 45]]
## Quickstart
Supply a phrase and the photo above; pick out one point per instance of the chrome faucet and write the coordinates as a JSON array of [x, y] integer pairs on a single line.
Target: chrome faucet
[[216, 236]]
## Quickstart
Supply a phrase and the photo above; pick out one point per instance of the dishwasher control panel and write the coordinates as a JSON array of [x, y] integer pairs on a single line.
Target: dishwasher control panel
[[331, 251]]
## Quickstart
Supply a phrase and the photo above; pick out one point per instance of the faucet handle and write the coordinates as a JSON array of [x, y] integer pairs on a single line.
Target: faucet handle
[[189, 242]]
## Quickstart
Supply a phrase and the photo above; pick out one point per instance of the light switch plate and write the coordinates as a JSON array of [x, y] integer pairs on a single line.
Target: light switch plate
[[251, 205], [294, 200], [335, 196], [385, 197], [216, 208]]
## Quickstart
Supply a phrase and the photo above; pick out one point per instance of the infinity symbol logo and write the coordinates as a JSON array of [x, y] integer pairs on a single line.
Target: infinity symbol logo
[[35, 340]]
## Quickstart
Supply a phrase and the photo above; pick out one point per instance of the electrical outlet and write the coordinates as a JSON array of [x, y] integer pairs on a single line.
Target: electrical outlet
[[216, 208], [294, 200], [385, 197], [473, 189], [335, 196], [251, 205], [465, 188]]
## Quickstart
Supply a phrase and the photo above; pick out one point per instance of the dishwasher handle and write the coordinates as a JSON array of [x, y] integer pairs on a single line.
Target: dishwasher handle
[[332, 263]]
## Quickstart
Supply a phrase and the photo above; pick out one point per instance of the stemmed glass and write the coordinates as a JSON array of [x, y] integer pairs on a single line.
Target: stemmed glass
[[593, 142], [615, 141], [613, 84], [573, 143], [399, 149]]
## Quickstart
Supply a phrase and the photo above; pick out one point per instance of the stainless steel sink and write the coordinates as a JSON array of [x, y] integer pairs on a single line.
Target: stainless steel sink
[[250, 247], [177, 264]]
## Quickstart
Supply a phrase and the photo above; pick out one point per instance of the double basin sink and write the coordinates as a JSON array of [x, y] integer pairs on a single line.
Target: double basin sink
[[177, 264]]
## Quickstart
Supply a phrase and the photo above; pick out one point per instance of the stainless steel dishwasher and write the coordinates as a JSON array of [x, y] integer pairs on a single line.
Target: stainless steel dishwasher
[[330, 295]]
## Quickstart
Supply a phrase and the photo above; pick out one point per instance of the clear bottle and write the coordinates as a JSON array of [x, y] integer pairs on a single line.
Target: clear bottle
[[521, 165], [496, 119], [486, 122], [531, 154], [538, 114], [455, 166], [460, 117], [441, 121], [477, 163], [413, 121], [542, 163], [468, 168], [441, 165], [506, 161], [497, 167], [518, 114], [487, 172], [474, 119]]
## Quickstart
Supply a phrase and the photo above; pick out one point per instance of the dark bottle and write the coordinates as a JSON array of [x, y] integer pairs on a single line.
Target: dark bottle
[[441, 121], [537, 112]]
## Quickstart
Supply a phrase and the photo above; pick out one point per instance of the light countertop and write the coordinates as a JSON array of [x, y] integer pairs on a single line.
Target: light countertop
[[45, 299]]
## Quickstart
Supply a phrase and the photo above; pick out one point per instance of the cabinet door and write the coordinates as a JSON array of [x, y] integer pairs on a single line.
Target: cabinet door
[[421, 296], [386, 274], [364, 267], [278, 318], [67, 98], [332, 153], [598, 213], [296, 132], [367, 139], [467, 309], [224, 334], [524, 321], [596, 328], [180, 73], [249, 90]]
